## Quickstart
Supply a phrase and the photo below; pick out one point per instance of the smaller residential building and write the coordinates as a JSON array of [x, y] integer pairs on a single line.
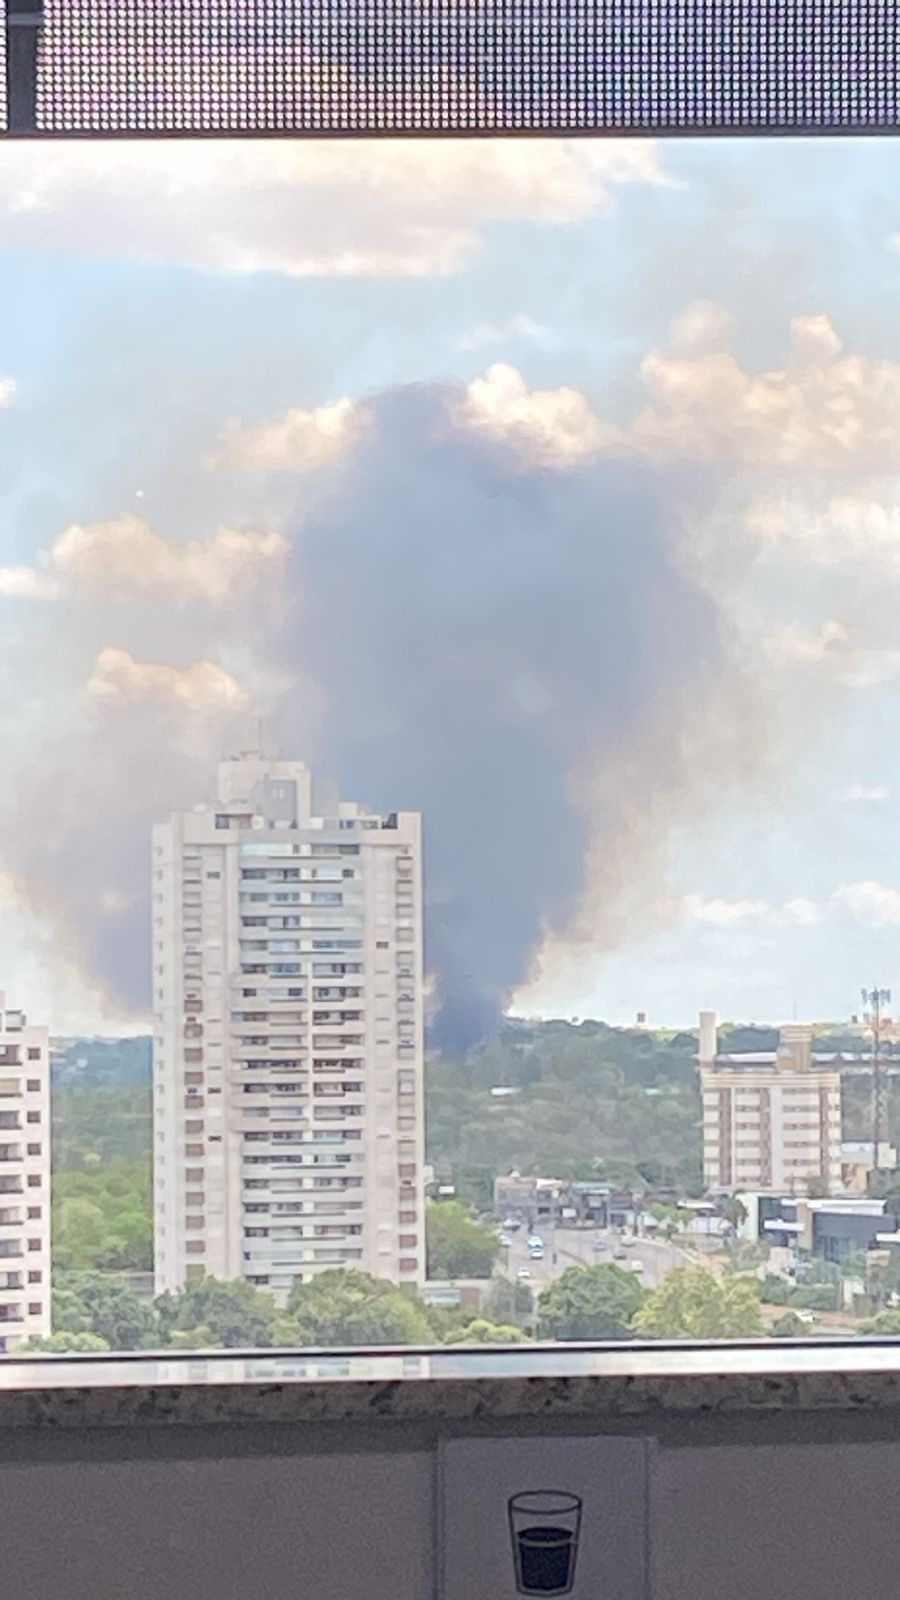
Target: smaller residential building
[[24, 1179], [771, 1119]]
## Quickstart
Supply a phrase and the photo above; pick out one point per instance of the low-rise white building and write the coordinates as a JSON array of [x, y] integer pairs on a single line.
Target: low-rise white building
[[24, 1179]]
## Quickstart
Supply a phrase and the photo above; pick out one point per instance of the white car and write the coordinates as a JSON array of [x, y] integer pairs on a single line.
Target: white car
[[523, 1272]]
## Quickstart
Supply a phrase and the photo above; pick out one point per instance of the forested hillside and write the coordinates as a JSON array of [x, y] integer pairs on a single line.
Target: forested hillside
[[578, 1100], [586, 1101], [102, 1144]]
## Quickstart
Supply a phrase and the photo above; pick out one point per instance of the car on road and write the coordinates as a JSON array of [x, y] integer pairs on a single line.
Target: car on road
[[536, 1253], [505, 1240], [523, 1272], [619, 1255], [598, 1246], [634, 1265], [511, 1224], [534, 1239]]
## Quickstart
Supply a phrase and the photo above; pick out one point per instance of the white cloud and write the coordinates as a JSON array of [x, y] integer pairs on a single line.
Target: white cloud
[[803, 913], [125, 557], [868, 903], [521, 326], [821, 408], [27, 583], [821, 405], [846, 532], [723, 913], [301, 439], [863, 794], [204, 687], [408, 207], [874, 904], [703, 326], [555, 427], [832, 650], [8, 391]]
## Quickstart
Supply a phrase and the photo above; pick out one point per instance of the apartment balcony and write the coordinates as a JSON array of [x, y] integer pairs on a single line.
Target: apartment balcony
[[259, 1251]]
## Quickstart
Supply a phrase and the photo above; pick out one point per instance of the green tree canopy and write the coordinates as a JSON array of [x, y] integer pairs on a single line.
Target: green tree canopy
[[885, 1324], [790, 1326], [693, 1303], [348, 1307], [591, 1102], [214, 1314], [509, 1301], [481, 1331], [458, 1246], [590, 1303], [102, 1216], [735, 1211], [60, 1344], [107, 1307]]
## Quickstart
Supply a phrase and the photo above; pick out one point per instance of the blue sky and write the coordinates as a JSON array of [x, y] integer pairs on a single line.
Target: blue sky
[[166, 310]]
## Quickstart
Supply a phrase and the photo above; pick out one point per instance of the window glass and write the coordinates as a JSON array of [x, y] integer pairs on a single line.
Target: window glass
[[475, 565]]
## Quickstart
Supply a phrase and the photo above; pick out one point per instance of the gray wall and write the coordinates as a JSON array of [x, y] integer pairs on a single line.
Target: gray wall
[[735, 1509]]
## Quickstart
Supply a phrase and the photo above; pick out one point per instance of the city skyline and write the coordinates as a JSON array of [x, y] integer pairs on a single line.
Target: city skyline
[[680, 732]]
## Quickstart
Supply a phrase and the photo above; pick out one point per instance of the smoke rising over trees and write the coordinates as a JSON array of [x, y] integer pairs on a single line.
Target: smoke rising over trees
[[492, 627], [515, 649]]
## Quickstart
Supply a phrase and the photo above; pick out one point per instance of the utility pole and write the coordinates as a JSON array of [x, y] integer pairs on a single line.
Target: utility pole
[[875, 999], [24, 21]]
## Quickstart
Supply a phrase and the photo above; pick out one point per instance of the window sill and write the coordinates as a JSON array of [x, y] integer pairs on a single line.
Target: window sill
[[590, 1383]]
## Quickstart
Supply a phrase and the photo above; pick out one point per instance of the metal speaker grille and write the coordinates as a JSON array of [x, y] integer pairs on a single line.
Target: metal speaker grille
[[459, 66]]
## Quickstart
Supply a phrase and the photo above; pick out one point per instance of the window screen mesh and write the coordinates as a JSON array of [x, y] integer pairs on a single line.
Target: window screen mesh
[[371, 66]]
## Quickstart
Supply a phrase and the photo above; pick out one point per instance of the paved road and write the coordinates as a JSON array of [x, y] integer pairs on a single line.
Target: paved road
[[569, 1247]]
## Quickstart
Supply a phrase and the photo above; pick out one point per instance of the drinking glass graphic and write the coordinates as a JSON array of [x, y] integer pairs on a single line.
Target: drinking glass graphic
[[544, 1524]]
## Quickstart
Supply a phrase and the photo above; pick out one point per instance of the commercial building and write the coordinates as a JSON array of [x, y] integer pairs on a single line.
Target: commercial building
[[771, 1119], [24, 1179], [288, 1034], [833, 1229], [557, 1203]]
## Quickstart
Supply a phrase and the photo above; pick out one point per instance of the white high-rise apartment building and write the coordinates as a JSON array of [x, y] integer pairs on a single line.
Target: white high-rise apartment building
[[771, 1119], [24, 1179], [288, 1034]]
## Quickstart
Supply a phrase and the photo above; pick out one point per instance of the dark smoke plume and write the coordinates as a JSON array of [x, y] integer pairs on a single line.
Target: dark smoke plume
[[517, 651], [484, 632]]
